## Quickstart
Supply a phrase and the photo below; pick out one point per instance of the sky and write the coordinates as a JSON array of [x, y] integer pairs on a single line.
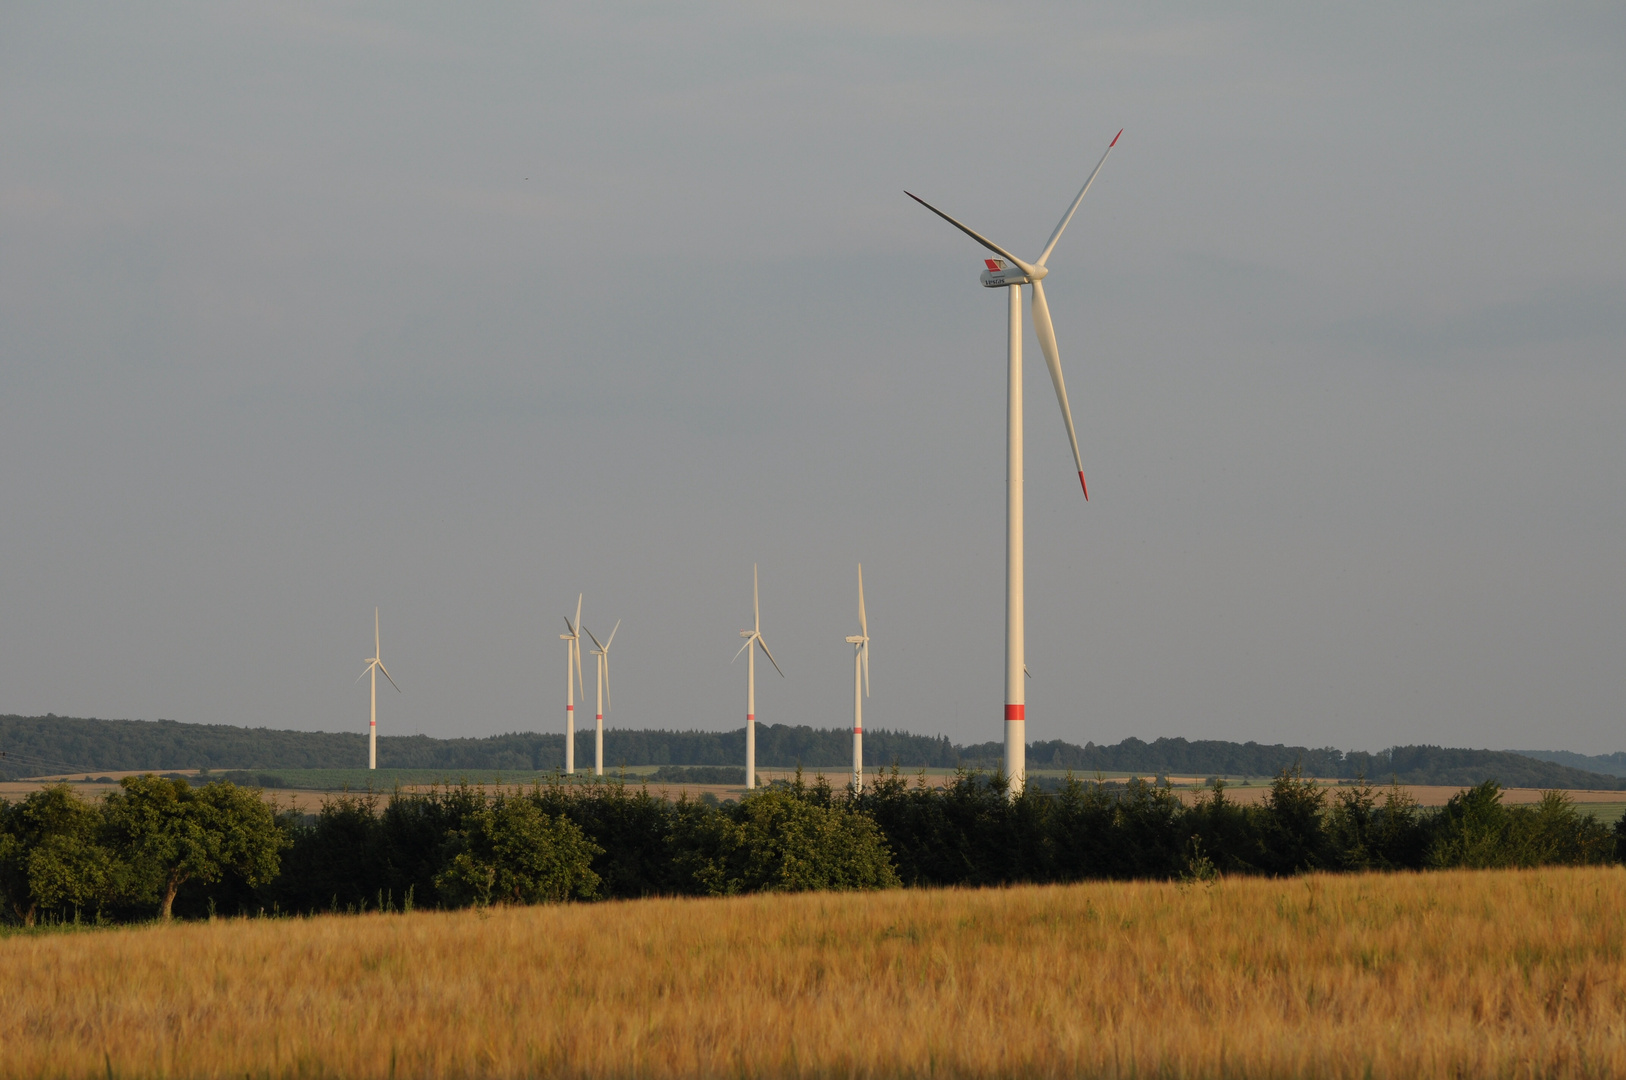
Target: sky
[[461, 310]]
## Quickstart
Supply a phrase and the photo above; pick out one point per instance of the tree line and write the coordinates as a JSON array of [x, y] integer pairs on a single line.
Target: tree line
[[162, 847], [53, 745]]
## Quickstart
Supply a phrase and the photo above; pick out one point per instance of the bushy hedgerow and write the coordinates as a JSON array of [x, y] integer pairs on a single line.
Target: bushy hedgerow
[[159, 845]]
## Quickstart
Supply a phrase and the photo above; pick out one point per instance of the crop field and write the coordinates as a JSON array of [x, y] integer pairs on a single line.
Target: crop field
[[1449, 974]]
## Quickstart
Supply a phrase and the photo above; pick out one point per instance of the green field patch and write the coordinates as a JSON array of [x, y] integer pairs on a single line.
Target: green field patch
[[1606, 812], [386, 780]]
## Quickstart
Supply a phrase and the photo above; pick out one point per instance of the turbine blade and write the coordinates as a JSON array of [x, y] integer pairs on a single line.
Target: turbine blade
[[589, 633], [611, 639], [756, 602], [386, 672], [578, 609], [576, 651], [376, 650], [572, 629], [769, 655], [863, 623], [364, 671], [1068, 216], [1047, 342], [977, 236], [747, 645], [866, 667]]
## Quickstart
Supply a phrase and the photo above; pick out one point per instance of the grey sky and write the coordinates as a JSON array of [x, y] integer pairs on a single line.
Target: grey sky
[[460, 310]]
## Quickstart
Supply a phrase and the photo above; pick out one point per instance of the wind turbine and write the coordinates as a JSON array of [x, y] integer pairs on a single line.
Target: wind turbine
[[374, 666], [1009, 272], [860, 645], [602, 655], [573, 667], [753, 637]]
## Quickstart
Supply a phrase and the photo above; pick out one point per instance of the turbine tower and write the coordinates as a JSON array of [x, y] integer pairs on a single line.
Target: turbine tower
[[753, 638], [601, 653], [374, 666], [1009, 272], [860, 645], [573, 669]]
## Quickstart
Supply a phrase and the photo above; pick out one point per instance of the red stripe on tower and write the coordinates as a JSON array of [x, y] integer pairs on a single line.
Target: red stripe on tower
[[858, 731], [750, 716], [1015, 712], [570, 708]]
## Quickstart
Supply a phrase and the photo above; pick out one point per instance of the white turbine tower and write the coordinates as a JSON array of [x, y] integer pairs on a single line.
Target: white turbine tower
[[860, 645], [573, 671], [1009, 272], [753, 638], [601, 653], [374, 666]]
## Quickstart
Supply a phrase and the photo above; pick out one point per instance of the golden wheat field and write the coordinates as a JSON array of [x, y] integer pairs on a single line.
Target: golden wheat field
[[1446, 974]]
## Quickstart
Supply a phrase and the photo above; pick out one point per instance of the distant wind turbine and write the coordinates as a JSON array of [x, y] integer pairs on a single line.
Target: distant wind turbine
[[374, 666], [1009, 272], [753, 638], [860, 645], [573, 679], [601, 653]]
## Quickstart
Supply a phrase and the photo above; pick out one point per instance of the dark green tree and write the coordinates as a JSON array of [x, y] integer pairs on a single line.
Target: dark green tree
[[1474, 829], [1554, 833], [1292, 833], [339, 862]]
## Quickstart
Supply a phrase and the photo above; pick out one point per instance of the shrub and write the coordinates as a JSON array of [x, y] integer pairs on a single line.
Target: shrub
[[510, 852], [51, 857], [779, 840]]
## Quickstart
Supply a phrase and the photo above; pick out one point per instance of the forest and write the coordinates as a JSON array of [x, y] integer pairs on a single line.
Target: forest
[[56, 745], [161, 847]]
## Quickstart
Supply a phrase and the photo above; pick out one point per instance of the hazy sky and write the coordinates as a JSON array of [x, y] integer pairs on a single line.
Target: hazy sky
[[461, 310]]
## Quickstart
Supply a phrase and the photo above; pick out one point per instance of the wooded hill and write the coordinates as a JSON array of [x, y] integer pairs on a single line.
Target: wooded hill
[[1609, 764], [53, 745]]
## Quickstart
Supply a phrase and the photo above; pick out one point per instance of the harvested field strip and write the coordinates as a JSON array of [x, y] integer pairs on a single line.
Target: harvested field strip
[[1505, 973]]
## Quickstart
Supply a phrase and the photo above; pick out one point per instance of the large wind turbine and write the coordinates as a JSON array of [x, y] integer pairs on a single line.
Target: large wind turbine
[[753, 637], [374, 666], [601, 653], [573, 678], [1009, 272], [860, 645]]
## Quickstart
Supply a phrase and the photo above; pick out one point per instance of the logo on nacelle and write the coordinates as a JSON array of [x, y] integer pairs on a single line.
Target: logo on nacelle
[[1001, 274]]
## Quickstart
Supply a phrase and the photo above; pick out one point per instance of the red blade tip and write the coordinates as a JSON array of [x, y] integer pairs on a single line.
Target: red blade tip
[[1083, 485], [1114, 141]]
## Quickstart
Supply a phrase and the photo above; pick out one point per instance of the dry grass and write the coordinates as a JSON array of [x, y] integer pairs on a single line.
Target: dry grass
[[1438, 975]]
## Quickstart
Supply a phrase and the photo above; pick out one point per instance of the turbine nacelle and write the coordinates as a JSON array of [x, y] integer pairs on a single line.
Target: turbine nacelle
[[1001, 274]]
